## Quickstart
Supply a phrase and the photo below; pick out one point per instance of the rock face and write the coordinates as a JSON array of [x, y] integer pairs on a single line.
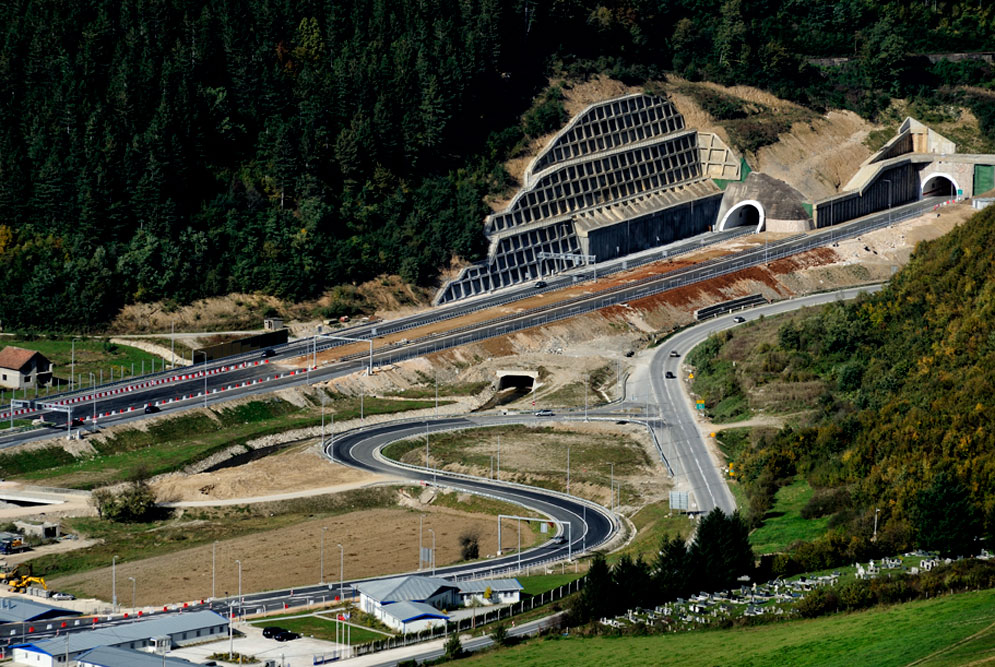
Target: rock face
[[766, 203]]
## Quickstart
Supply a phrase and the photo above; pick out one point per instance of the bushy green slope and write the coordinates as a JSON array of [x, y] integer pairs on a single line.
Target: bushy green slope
[[904, 423]]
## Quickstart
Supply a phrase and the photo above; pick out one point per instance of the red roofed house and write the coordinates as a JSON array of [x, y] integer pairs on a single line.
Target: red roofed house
[[20, 368]]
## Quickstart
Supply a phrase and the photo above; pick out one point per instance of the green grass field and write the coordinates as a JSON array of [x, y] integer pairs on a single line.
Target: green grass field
[[952, 630], [784, 523], [92, 356], [322, 628], [652, 523], [543, 583]]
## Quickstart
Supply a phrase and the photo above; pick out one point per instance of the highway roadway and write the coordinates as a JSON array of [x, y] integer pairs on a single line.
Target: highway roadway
[[187, 393], [675, 423]]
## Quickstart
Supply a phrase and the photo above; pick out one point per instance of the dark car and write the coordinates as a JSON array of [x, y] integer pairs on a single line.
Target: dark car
[[286, 636], [540, 284], [151, 409], [271, 631], [669, 375], [269, 352], [739, 319], [76, 421], [675, 353]]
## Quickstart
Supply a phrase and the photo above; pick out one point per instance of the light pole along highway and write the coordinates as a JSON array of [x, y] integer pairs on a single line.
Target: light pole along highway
[[458, 335]]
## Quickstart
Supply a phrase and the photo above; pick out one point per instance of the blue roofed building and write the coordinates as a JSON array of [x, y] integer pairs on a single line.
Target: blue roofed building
[[409, 604], [151, 634]]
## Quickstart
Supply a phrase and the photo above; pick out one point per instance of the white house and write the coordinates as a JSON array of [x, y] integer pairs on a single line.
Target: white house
[[490, 591], [424, 596], [179, 629], [410, 617], [20, 368]]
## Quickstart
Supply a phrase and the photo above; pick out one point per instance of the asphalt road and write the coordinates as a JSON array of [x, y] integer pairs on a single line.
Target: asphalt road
[[676, 424], [460, 336]]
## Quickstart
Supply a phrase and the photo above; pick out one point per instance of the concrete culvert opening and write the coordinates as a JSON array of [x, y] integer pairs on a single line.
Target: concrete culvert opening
[[512, 385], [526, 382], [939, 185], [750, 213]]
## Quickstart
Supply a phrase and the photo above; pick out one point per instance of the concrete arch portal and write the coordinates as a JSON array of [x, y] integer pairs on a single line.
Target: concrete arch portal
[[749, 212], [939, 185]]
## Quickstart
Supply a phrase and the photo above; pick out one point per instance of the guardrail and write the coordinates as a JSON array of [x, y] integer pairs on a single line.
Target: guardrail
[[728, 306]]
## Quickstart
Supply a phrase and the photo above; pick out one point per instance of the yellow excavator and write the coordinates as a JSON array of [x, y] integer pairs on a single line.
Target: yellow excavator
[[18, 579]]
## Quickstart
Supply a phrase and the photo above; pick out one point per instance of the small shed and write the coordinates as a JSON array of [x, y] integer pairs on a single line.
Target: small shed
[[273, 323], [42, 529], [21, 368]]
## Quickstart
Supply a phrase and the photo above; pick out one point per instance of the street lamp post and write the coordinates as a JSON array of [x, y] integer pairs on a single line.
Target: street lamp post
[[568, 468], [114, 583], [420, 547], [239, 588], [214, 553], [341, 572], [132, 580], [321, 575], [205, 373], [432, 559], [612, 486]]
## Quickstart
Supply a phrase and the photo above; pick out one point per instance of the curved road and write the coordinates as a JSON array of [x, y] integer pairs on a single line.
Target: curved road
[[587, 525], [677, 428]]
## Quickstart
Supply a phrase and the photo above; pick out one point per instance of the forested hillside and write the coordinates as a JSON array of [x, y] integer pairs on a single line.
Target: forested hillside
[[169, 149], [906, 421]]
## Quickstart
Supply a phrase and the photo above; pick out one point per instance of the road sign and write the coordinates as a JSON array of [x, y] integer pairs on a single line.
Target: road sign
[[679, 500]]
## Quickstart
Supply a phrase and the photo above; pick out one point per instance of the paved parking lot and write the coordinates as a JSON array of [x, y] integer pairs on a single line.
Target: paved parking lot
[[296, 653]]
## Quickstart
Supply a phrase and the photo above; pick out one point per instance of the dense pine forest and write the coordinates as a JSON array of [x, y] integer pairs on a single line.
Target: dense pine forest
[[169, 150]]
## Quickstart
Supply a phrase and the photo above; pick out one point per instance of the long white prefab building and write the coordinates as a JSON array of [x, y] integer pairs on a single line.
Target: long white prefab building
[[175, 630]]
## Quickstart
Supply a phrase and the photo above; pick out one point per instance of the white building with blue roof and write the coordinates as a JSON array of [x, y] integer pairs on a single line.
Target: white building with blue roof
[[176, 630], [422, 598], [111, 656]]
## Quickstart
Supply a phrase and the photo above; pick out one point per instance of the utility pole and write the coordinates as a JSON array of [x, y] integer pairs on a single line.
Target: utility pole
[[114, 583], [172, 343]]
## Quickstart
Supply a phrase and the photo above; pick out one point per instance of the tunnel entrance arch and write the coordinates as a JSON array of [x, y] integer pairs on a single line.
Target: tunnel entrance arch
[[939, 185], [749, 212]]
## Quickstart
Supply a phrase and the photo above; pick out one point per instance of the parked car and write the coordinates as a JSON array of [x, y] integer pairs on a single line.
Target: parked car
[[545, 412], [271, 631], [286, 636], [63, 596], [739, 319], [669, 375]]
